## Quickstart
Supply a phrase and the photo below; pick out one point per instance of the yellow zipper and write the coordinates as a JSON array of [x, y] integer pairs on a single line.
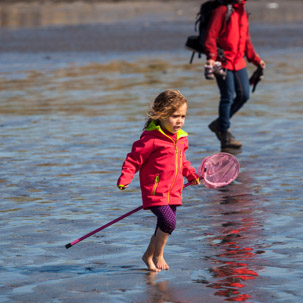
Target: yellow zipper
[[157, 179], [176, 164], [181, 159], [176, 172]]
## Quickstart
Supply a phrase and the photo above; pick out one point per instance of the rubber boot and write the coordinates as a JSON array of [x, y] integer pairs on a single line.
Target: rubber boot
[[226, 138], [229, 141], [214, 127]]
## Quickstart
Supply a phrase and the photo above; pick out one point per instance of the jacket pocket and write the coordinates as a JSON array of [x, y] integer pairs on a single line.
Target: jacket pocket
[[156, 182]]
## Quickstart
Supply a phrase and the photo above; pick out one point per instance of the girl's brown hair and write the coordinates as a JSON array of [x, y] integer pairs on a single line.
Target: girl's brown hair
[[164, 106]]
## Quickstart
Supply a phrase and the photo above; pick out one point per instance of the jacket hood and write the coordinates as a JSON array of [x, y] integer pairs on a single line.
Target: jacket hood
[[157, 130]]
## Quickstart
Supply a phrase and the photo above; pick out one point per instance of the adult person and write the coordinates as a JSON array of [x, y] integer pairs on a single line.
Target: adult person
[[234, 39]]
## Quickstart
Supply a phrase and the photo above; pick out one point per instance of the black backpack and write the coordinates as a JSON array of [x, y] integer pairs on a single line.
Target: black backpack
[[196, 43]]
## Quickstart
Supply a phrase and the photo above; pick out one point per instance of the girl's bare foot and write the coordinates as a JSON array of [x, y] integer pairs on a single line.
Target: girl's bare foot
[[160, 241], [160, 263], [150, 263]]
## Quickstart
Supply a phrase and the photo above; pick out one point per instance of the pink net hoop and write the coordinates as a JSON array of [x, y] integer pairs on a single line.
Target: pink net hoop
[[218, 170]]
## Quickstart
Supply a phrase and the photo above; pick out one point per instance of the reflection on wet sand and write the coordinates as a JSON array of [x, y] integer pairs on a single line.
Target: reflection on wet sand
[[158, 292], [234, 249], [68, 115], [234, 243]]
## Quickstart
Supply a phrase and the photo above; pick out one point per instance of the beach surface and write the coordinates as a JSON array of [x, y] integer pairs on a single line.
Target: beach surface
[[75, 81]]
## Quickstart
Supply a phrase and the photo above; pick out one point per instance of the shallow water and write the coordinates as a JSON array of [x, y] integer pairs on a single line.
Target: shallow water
[[67, 121]]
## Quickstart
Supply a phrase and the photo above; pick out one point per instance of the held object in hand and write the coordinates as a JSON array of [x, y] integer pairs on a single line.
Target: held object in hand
[[215, 171]]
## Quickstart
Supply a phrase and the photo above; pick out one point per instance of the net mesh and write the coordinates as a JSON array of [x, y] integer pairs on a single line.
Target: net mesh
[[218, 170]]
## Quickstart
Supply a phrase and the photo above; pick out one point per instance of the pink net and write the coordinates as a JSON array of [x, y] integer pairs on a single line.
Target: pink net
[[218, 170]]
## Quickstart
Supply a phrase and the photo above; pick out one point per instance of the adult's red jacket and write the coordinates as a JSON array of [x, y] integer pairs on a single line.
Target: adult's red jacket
[[162, 165], [232, 36]]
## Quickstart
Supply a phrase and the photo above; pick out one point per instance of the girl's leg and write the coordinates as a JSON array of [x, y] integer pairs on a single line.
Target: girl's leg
[[160, 239], [166, 223], [149, 255]]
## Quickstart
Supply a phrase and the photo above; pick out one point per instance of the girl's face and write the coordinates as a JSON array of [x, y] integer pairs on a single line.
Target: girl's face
[[176, 121]]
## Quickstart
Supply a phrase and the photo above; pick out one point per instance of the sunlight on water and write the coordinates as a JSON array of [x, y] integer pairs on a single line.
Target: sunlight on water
[[67, 121], [65, 133]]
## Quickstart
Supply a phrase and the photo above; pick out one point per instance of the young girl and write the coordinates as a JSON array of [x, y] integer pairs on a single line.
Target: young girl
[[159, 155]]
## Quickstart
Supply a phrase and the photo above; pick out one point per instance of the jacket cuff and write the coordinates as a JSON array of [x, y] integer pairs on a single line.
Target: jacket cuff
[[257, 61], [211, 57], [192, 177]]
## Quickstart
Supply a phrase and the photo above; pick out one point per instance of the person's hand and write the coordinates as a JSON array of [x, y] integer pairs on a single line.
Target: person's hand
[[209, 69], [210, 62], [195, 182], [262, 64], [122, 187]]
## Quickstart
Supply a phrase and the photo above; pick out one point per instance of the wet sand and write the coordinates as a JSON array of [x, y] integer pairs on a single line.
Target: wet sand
[[73, 97]]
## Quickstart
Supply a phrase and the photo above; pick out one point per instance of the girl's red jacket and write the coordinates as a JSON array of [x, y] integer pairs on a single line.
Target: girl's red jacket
[[162, 165], [232, 36]]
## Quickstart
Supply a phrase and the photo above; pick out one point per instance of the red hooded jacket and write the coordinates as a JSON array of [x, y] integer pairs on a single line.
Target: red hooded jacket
[[232, 36], [162, 164]]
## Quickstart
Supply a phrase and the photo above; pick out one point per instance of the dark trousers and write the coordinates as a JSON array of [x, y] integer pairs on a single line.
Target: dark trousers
[[234, 92]]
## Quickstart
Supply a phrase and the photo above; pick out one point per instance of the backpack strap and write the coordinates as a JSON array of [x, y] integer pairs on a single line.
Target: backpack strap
[[229, 12], [220, 51], [228, 15]]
